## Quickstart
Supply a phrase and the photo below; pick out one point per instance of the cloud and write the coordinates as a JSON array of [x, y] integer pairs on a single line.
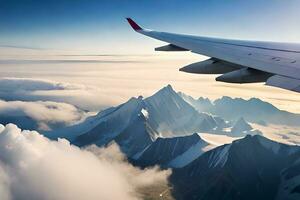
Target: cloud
[[34, 167], [43, 61], [27, 84], [43, 114], [138, 178], [26, 89]]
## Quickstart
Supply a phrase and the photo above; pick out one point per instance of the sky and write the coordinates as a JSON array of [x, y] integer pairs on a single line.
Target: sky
[[89, 43], [100, 27]]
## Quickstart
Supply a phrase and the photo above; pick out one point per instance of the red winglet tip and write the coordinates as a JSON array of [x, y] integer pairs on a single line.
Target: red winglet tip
[[134, 25]]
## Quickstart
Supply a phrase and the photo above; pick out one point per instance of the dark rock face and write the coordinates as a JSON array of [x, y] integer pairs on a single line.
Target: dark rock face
[[163, 150], [249, 168], [135, 138], [290, 182]]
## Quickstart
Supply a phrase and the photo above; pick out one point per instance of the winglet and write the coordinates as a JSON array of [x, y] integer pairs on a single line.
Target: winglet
[[134, 25]]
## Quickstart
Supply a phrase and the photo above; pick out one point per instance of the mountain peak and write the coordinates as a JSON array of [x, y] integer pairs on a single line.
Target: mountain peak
[[164, 92], [167, 89], [132, 102], [241, 120], [254, 140], [224, 98], [169, 86], [204, 99], [240, 126]]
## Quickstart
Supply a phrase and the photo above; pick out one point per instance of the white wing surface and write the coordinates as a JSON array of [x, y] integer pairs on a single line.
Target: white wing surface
[[277, 64]]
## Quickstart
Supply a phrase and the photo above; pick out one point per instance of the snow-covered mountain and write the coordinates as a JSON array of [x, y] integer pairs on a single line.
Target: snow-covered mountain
[[112, 123], [241, 128], [252, 110], [249, 168], [141, 123], [173, 152], [175, 131], [201, 104], [164, 114], [171, 116]]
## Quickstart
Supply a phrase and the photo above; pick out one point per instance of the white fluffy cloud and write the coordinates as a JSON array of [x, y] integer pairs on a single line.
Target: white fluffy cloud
[[34, 167], [44, 113]]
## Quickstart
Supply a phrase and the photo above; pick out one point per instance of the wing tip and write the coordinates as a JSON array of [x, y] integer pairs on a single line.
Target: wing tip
[[133, 24]]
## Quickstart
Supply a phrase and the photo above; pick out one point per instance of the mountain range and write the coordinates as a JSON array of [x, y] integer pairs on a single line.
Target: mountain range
[[252, 110], [170, 129], [165, 122], [142, 127], [250, 168]]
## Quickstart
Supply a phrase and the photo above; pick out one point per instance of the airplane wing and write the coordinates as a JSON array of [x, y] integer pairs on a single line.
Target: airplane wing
[[239, 61]]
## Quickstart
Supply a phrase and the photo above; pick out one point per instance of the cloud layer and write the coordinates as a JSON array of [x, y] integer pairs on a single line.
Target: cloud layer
[[33, 167], [44, 115], [96, 87], [26, 89]]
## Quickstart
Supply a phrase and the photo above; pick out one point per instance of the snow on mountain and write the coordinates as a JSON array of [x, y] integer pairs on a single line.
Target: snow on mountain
[[173, 152], [170, 115], [136, 137], [219, 157], [191, 154], [145, 113], [165, 113], [218, 139], [121, 113], [111, 124], [71, 132]]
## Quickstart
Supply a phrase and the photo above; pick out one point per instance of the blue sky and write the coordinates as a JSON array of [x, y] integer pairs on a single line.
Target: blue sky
[[99, 26]]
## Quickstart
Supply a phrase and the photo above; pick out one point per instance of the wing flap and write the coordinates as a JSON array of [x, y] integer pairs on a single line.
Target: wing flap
[[284, 83], [170, 47]]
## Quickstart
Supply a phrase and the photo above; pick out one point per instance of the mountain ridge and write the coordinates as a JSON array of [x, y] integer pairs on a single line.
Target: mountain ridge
[[233, 171], [253, 110]]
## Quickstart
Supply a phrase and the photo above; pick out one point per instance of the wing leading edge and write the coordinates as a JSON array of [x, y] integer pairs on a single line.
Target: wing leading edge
[[277, 64]]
